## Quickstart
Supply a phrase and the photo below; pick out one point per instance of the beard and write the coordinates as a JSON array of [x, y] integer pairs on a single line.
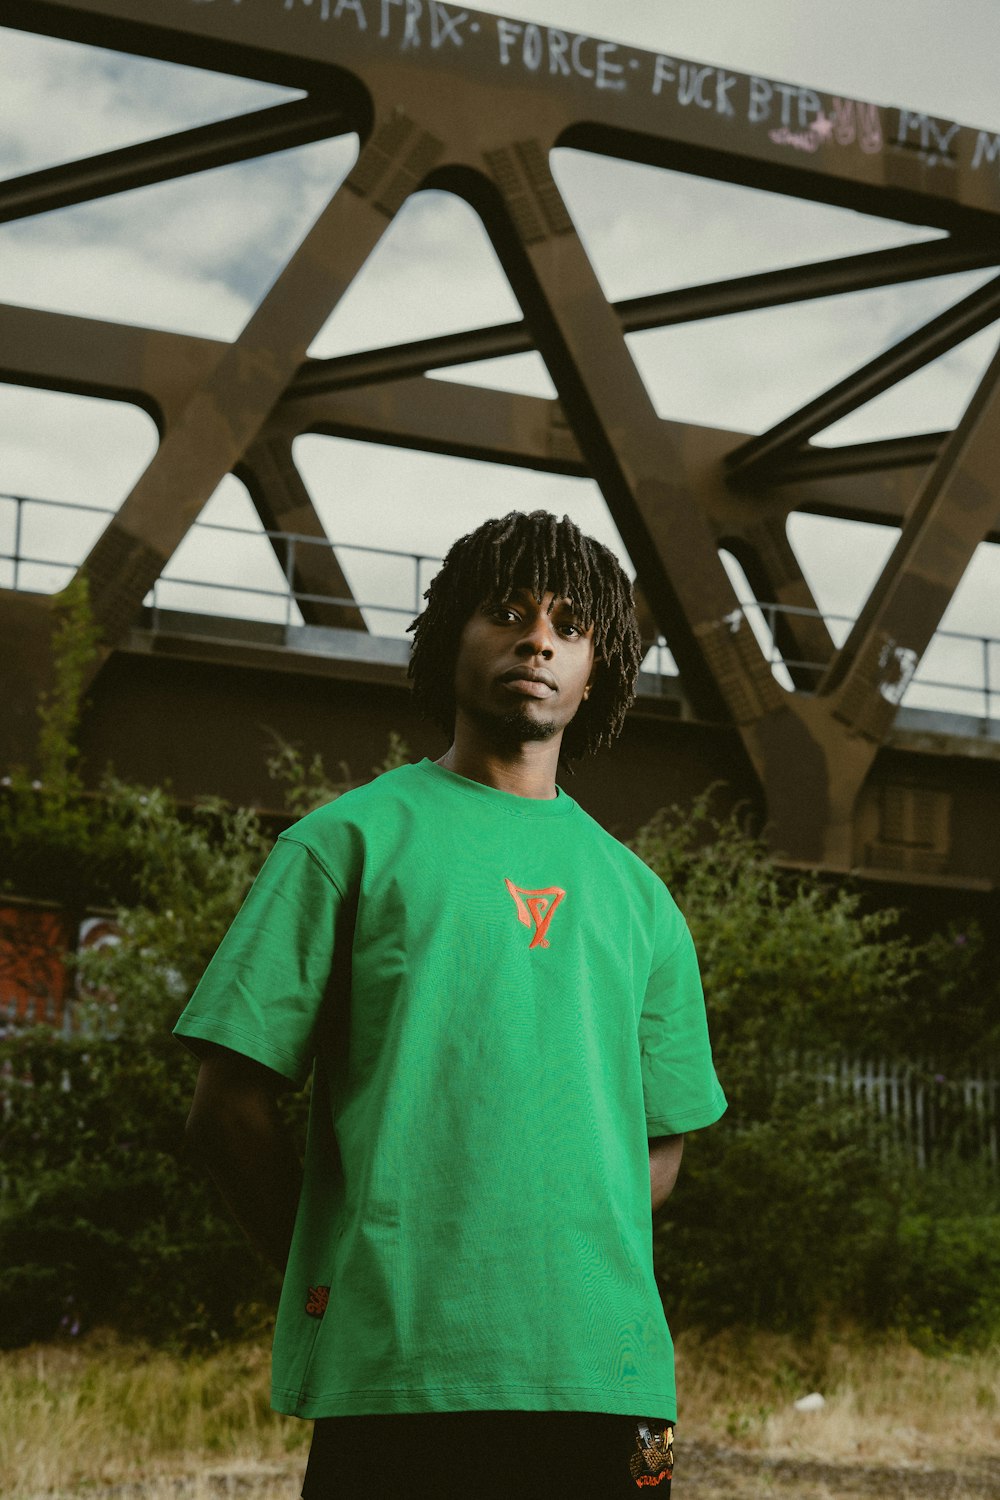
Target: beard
[[517, 728]]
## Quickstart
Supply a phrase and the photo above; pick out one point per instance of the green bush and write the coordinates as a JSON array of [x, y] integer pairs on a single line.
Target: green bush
[[103, 1221], [789, 962], [796, 1207], [945, 1276], [771, 1223]]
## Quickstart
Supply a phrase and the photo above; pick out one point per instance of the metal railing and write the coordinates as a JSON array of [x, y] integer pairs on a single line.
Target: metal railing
[[291, 598], [282, 605], [290, 543], [986, 688]]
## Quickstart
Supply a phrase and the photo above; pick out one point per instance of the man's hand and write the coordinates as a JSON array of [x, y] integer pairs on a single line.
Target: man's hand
[[235, 1131], [665, 1152]]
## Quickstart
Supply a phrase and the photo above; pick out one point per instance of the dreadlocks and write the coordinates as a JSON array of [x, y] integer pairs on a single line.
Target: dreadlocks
[[543, 554]]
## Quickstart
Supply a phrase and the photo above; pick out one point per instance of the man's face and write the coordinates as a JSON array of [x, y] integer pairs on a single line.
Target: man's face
[[524, 666]]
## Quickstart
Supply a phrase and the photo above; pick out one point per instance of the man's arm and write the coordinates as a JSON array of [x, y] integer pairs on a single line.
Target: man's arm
[[665, 1152], [235, 1130]]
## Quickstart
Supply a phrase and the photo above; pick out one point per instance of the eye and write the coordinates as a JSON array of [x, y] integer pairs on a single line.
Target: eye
[[502, 614]]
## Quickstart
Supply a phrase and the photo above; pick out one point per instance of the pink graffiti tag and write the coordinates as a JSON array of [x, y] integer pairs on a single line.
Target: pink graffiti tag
[[854, 121]]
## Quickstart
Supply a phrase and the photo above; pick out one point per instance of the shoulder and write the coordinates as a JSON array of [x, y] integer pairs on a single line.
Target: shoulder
[[607, 847], [358, 807], [338, 834], [645, 888], [626, 864]]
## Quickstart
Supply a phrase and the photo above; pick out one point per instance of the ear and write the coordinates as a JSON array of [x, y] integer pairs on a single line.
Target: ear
[[598, 663]]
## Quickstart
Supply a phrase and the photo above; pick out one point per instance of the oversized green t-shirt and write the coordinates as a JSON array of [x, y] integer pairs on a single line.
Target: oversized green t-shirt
[[500, 1003]]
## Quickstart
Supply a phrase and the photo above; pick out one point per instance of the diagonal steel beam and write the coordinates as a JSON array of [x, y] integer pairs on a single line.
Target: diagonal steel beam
[[859, 458], [661, 309], [157, 371], [824, 278], [935, 338], [952, 514], [531, 432], [625, 446], [220, 144], [228, 408], [285, 505], [762, 549]]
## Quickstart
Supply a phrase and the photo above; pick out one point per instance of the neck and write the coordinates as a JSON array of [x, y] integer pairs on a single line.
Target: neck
[[527, 769]]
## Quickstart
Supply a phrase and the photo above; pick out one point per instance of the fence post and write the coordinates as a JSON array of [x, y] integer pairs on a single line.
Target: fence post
[[18, 506], [987, 687]]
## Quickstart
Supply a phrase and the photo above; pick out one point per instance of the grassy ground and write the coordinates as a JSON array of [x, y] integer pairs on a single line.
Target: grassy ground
[[146, 1425], [896, 1422]]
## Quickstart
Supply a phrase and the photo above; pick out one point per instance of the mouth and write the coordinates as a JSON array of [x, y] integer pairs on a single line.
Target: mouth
[[529, 682]]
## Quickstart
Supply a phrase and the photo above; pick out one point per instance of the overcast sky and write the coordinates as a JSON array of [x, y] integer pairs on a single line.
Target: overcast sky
[[196, 255]]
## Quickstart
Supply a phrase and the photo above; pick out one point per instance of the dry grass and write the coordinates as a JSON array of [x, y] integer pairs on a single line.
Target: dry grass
[[886, 1402], [107, 1414], [146, 1425]]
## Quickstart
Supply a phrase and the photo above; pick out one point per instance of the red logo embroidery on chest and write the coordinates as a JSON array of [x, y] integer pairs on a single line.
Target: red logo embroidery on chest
[[535, 909]]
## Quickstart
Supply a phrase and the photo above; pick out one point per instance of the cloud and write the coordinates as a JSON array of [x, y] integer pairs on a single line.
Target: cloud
[[419, 503], [193, 255], [72, 448], [61, 101], [435, 271], [750, 370], [647, 229]]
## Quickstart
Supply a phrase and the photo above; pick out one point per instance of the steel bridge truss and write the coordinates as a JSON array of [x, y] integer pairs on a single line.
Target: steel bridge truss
[[474, 104]]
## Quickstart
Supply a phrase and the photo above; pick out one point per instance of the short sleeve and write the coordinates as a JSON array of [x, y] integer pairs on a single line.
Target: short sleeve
[[680, 1089], [262, 992]]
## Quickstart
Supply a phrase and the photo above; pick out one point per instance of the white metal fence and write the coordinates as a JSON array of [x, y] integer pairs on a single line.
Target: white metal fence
[[926, 1112]]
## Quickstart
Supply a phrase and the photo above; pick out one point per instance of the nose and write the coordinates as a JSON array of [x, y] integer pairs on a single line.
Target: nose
[[538, 635]]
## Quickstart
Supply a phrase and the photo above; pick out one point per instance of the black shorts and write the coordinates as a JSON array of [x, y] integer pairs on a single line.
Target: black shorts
[[490, 1455]]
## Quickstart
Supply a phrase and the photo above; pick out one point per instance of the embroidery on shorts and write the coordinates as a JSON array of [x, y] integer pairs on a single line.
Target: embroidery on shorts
[[652, 1464], [316, 1302], [536, 908]]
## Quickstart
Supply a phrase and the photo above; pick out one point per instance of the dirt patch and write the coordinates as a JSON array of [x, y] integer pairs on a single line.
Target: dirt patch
[[710, 1473], [707, 1473]]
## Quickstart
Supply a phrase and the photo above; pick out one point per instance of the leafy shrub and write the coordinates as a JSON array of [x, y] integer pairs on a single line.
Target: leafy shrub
[[945, 1276], [796, 1207], [791, 1209], [101, 1220]]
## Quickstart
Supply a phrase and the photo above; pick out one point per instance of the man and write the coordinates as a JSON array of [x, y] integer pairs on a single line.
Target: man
[[501, 1010]]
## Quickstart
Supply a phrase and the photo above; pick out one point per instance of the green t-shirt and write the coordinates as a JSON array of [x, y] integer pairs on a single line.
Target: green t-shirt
[[500, 1003]]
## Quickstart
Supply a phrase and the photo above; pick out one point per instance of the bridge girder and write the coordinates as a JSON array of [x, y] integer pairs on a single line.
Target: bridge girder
[[474, 103]]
